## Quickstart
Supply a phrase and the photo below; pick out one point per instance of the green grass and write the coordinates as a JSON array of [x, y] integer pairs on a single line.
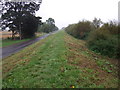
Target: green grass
[[7, 42], [104, 70], [103, 63], [45, 65]]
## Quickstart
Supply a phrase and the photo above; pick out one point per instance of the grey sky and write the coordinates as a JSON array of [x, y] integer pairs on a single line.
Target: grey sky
[[71, 11]]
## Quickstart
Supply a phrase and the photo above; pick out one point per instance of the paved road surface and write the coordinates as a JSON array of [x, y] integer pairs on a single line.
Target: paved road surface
[[7, 51]]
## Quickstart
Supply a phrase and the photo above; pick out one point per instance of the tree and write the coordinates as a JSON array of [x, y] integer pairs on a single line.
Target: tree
[[50, 21], [48, 26], [97, 23], [20, 18], [29, 28]]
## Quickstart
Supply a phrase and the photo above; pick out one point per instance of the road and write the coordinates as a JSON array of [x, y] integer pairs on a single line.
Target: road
[[7, 51]]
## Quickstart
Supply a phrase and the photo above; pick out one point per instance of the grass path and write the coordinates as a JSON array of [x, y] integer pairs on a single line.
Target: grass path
[[58, 61]]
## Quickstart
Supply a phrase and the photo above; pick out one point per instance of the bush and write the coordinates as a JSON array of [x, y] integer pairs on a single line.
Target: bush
[[79, 30], [47, 28], [70, 30], [105, 41], [112, 27]]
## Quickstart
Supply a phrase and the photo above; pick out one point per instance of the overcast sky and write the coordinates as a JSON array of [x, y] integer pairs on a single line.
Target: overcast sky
[[66, 12]]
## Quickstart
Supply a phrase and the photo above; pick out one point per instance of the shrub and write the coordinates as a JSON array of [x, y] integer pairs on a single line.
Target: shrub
[[47, 28], [105, 41], [79, 30], [102, 39], [112, 27]]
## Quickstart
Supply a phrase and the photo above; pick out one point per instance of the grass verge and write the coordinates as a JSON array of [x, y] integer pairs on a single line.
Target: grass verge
[[7, 42], [58, 61]]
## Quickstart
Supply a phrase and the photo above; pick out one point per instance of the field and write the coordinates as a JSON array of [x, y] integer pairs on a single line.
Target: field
[[59, 61], [4, 35]]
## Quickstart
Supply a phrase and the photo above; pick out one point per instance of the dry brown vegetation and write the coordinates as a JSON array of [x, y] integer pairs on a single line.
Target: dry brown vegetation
[[6, 34]]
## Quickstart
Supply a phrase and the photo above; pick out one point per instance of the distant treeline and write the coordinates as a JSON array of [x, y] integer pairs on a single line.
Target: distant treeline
[[101, 37], [48, 26]]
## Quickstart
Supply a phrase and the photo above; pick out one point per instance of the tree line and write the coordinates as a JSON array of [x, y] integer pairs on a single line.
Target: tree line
[[101, 37]]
